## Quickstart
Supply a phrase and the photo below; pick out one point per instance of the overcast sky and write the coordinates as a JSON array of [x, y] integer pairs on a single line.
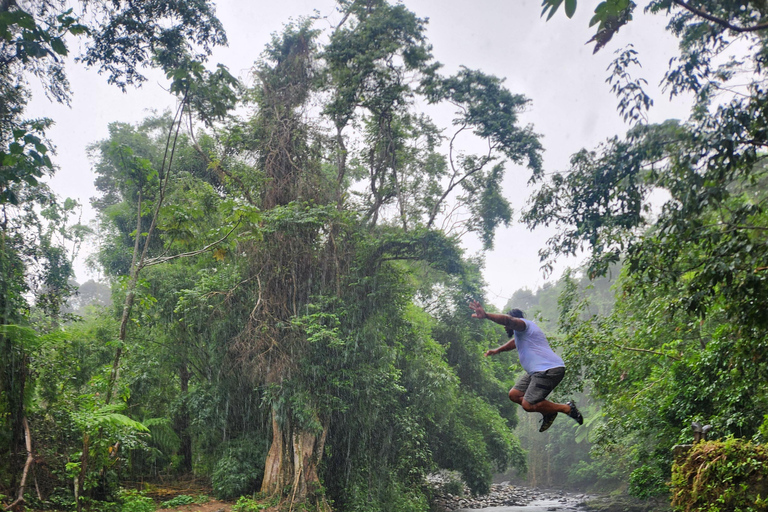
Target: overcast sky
[[572, 107]]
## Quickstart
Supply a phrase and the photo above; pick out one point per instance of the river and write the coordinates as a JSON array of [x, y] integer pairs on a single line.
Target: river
[[543, 505], [509, 498]]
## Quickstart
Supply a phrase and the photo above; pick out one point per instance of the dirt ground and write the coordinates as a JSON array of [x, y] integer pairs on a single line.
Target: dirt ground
[[212, 505], [167, 491]]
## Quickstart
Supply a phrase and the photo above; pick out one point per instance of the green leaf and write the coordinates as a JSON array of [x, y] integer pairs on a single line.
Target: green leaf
[[552, 6], [570, 8], [31, 139], [76, 30], [116, 419], [58, 46], [20, 18]]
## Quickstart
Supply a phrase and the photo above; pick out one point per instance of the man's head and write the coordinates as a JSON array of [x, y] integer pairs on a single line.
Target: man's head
[[516, 313]]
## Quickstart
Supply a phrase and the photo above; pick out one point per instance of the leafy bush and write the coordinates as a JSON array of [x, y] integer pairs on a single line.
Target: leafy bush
[[722, 475], [238, 471], [763, 430], [453, 486], [184, 499], [249, 505], [646, 482], [402, 499], [594, 475], [135, 501]]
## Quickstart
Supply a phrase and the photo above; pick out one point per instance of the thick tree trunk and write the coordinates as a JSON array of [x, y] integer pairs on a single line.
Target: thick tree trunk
[[292, 463]]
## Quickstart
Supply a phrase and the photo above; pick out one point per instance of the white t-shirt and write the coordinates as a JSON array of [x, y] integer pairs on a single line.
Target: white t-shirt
[[534, 350]]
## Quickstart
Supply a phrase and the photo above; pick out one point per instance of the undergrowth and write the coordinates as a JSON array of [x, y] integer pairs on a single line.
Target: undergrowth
[[184, 499], [720, 476]]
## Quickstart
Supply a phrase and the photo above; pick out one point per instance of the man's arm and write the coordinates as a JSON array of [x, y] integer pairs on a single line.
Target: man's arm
[[516, 324], [510, 345]]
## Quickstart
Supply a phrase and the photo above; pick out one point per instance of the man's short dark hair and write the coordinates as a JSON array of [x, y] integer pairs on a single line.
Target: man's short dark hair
[[516, 313]]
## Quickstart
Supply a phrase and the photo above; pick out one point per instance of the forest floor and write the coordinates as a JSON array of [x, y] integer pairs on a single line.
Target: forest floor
[[212, 505], [167, 497]]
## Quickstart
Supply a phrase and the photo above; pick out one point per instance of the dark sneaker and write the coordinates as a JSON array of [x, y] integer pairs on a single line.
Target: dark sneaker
[[575, 414], [547, 420]]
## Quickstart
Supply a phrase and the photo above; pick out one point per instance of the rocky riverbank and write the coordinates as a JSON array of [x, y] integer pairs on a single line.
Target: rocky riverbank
[[450, 495], [503, 495]]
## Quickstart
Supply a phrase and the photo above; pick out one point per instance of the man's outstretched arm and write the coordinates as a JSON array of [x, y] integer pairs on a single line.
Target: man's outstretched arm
[[516, 324], [510, 345]]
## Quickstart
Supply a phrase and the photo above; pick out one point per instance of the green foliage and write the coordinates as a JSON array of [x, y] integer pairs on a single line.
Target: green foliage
[[135, 501], [372, 59], [165, 31], [454, 486], [184, 499], [723, 475], [491, 111], [647, 481], [763, 429], [273, 298], [595, 473], [633, 100], [25, 160], [686, 338], [34, 285], [610, 16], [245, 504], [238, 471], [37, 234], [104, 431]]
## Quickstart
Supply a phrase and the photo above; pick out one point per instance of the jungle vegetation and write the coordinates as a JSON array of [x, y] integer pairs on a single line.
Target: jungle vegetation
[[288, 281]]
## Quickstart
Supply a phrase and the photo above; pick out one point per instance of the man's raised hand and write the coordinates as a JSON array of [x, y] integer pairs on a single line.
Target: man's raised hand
[[479, 312]]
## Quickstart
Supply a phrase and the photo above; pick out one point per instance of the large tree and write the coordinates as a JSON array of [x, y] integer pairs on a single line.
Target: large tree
[[376, 62], [333, 306]]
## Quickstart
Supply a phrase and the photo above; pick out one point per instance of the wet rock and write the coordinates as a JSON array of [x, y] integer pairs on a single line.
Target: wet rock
[[501, 495]]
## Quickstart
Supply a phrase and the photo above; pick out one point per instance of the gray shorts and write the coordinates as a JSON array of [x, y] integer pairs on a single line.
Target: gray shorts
[[537, 386]]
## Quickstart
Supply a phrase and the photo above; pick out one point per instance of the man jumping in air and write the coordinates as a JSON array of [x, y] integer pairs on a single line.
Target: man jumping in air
[[544, 369]]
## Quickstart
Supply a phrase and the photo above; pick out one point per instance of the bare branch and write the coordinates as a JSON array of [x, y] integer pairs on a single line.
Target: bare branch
[[164, 259], [719, 21], [27, 465]]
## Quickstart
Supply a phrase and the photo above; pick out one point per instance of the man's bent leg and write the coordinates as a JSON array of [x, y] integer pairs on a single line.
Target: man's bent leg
[[541, 385], [516, 395], [534, 400], [545, 407]]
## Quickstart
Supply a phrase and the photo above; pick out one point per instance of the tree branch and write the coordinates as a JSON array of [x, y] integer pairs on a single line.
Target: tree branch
[[164, 259], [719, 21], [646, 351], [27, 465]]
